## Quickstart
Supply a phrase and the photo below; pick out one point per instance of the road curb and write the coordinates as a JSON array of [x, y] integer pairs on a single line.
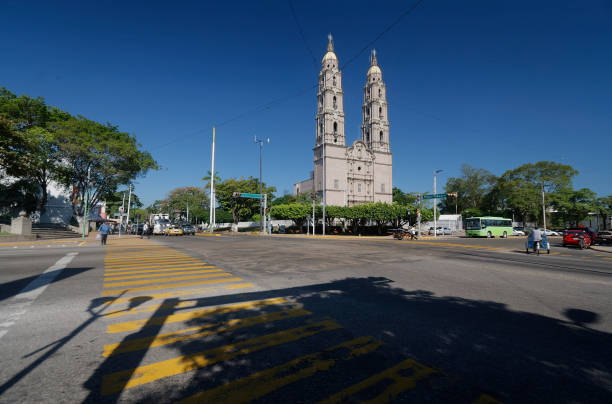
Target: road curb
[[599, 250]]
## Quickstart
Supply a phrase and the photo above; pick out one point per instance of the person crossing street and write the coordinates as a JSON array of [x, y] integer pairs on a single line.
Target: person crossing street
[[104, 230]]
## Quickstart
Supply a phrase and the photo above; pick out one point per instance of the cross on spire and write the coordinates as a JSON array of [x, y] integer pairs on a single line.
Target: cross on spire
[[330, 43], [373, 60]]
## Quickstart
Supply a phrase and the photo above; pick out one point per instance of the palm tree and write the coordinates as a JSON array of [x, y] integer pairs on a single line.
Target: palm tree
[[208, 177]]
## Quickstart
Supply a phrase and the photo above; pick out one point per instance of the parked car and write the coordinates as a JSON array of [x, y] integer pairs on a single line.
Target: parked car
[[604, 236], [440, 231], [549, 232], [517, 232], [174, 230], [577, 237], [188, 229], [591, 233]]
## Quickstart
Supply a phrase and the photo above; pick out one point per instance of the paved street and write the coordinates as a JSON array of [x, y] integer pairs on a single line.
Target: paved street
[[237, 318]]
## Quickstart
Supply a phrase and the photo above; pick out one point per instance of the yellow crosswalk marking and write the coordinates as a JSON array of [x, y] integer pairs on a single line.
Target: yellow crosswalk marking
[[200, 332], [125, 379], [150, 262], [403, 376], [145, 271], [172, 278], [174, 318], [176, 293], [259, 384], [142, 254], [173, 273], [167, 286]]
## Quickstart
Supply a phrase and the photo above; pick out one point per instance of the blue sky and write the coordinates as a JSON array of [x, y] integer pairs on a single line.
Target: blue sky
[[494, 84]]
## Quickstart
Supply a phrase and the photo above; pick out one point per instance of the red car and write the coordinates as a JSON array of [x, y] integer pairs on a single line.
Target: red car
[[578, 237]]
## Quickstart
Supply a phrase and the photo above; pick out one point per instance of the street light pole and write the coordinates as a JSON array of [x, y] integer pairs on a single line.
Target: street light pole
[[434, 201], [261, 212], [127, 222], [212, 219], [543, 209]]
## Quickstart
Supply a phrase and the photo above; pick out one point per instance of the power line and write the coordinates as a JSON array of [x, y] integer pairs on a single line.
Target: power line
[[298, 93], [301, 31]]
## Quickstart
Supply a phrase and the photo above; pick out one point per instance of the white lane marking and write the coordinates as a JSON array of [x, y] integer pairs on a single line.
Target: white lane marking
[[17, 305]]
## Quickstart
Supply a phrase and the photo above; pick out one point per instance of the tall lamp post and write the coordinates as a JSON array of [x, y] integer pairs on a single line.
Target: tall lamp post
[[435, 175], [261, 212]]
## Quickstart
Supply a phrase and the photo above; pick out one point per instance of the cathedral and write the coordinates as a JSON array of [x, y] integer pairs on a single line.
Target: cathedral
[[362, 172]]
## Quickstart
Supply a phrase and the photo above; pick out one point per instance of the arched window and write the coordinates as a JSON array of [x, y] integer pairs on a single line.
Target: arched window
[[335, 128], [335, 102], [334, 81], [379, 92], [367, 112], [320, 128], [367, 136], [380, 112], [381, 135]]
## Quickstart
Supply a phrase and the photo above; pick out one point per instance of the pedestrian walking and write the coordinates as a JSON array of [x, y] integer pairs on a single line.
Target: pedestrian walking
[[104, 230], [145, 230]]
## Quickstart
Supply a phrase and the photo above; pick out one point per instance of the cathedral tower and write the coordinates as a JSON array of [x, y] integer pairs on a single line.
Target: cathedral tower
[[375, 126], [330, 103]]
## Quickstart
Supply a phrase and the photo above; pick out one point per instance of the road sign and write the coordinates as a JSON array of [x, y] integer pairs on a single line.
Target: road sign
[[434, 196], [246, 195]]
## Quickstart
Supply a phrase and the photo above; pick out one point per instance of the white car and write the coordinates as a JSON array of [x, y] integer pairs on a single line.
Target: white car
[[517, 232], [549, 232]]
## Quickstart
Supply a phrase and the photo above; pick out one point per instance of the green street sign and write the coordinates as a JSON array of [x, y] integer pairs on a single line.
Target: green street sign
[[434, 196], [245, 195]]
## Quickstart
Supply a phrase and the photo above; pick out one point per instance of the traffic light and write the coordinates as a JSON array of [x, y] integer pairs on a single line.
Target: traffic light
[[453, 194]]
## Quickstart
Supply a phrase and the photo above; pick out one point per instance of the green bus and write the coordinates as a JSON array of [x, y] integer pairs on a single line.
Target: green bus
[[488, 226]]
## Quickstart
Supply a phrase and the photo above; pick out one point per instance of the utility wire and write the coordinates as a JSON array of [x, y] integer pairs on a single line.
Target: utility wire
[[301, 31], [287, 97]]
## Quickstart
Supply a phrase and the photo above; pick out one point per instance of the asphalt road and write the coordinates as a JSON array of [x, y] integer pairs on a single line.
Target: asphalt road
[[280, 319]]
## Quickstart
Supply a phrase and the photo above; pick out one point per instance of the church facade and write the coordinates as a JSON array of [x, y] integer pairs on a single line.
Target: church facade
[[362, 172]]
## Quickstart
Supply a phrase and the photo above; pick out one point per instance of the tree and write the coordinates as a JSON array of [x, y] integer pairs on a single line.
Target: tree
[[603, 207], [208, 176], [116, 199], [193, 197], [97, 158], [471, 187], [240, 207], [284, 200], [294, 211], [403, 198], [521, 188], [573, 206]]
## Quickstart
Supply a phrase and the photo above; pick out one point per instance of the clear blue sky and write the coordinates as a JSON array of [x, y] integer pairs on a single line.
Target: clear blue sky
[[491, 83]]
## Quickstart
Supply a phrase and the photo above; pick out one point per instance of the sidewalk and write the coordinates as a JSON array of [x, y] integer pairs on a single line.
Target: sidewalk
[[602, 248]]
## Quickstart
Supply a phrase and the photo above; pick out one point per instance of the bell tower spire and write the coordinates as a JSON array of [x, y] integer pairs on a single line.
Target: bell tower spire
[[375, 126], [330, 100]]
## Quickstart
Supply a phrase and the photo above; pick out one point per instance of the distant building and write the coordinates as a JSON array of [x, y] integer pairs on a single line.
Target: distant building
[[362, 172]]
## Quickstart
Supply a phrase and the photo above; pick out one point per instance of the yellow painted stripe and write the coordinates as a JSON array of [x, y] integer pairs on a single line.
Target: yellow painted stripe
[[153, 264], [167, 267], [141, 276], [165, 295], [193, 304], [144, 256], [175, 318], [82, 243], [139, 252], [155, 271], [125, 379], [402, 376], [149, 260], [259, 384], [165, 279], [199, 332], [169, 285]]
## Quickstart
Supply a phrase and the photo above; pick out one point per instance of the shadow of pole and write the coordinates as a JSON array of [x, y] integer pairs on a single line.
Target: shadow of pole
[[61, 342], [152, 327]]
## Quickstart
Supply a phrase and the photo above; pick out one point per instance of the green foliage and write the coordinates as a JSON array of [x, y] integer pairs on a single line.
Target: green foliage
[[284, 200], [241, 208], [471, 187], [179, 198], [402, 198], [573, 206], [293, 211], [39, 143], [98, 158], [208, 177], [223, 216]]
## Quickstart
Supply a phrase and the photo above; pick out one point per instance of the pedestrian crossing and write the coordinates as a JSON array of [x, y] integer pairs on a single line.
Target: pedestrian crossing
[[181, 325]]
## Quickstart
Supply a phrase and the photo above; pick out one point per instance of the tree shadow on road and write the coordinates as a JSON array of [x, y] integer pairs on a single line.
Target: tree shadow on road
[[476, 347], [13, 288]]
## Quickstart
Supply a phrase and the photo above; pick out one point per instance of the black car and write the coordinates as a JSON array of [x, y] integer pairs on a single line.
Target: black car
[[188, 229]]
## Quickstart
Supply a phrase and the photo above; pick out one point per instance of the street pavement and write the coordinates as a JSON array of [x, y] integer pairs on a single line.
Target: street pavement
[[239, 318]]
